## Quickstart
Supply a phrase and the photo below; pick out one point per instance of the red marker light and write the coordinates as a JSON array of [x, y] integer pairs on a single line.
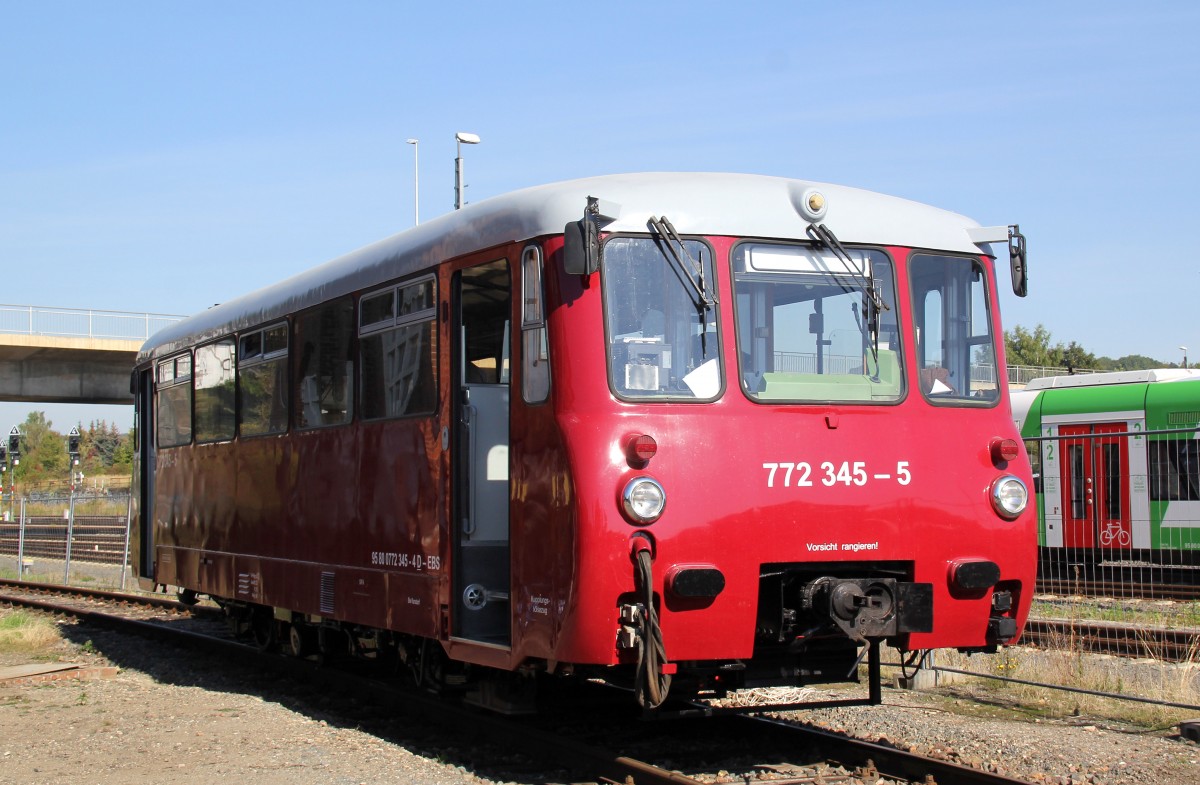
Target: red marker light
[[642, 448], [1004, 450]]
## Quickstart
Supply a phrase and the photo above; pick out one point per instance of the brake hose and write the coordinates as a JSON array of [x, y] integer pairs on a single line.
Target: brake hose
[[651, 683]]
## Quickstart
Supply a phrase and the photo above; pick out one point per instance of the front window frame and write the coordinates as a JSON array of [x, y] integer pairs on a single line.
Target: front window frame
[[892, 370], [927, 373], [658, 352]]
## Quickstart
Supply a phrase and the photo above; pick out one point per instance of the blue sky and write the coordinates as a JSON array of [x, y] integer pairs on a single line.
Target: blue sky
[[167, 156]]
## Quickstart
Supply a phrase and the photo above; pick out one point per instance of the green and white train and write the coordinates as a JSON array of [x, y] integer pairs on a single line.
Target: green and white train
[[1116, 463]]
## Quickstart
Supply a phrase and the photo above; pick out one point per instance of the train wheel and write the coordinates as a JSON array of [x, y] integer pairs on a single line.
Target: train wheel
[[331, 642], [266, 630], [429, 668], [188, 597], [238, 619], [299, 642]]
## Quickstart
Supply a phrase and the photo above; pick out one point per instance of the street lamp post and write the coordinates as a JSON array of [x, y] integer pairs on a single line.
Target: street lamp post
[[1184, 350], [461, 138], [416, 191]]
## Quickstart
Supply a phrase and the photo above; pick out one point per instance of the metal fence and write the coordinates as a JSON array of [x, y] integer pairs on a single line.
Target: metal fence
[[1118, 565], [1020, 375], [56, 533], [81, 323], [981, 374]]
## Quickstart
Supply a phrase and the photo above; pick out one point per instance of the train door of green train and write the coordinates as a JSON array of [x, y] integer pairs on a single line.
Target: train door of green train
[[482, 338], [1095, 466]]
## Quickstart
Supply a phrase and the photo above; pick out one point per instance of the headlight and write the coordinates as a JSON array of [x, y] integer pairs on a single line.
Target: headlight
[[1009, 496], [643, 500]]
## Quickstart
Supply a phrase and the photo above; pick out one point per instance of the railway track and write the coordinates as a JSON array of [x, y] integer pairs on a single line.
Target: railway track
[[583, 740], [1141, 590], [1123, 640]]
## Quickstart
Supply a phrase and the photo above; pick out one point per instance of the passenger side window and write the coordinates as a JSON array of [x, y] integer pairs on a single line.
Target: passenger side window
[[397, 356], [262, 381], [214, 392], [324, 365], [175, 401]]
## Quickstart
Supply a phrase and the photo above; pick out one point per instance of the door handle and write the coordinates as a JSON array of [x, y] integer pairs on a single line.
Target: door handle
[[468, 521]]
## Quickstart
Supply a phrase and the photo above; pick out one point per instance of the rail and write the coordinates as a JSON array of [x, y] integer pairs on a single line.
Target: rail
[[81, 323], [1022, 374], [981, 373]]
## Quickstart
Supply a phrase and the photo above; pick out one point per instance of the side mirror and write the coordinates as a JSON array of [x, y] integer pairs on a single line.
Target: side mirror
[[581, 239], [1017, 261], [581, 247]]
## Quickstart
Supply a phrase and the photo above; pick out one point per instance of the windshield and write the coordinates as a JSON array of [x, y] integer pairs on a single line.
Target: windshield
[[808, 328], [662, 339], [955, 347]]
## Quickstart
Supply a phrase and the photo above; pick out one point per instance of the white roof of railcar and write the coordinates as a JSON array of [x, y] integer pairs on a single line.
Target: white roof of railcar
[[1114, 377], [738, 205]]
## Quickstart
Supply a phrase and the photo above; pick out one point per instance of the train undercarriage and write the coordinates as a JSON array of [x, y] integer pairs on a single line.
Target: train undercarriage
[[816, 624]]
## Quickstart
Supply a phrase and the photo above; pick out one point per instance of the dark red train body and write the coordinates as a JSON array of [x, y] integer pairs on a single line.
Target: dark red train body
[[736, 443]]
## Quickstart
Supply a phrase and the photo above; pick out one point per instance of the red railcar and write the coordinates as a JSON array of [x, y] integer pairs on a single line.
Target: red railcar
[[735, 429]]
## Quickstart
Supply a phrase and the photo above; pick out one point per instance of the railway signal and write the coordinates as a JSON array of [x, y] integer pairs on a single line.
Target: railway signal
[[73, 446], [14, 459]]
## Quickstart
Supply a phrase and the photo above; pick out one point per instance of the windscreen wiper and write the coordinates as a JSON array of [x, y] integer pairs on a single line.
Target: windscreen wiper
[[823, 235], [690, 270], [872, 297]]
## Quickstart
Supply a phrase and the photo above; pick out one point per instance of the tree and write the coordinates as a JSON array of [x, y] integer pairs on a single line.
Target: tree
[[43, 451], [103, 449], [123, 456], [1138, 362], [100, 444], [1075, 356], [1023, 347]]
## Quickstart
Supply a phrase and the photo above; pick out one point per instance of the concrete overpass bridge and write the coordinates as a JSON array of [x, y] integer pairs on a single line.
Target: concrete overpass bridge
[[63, 355]]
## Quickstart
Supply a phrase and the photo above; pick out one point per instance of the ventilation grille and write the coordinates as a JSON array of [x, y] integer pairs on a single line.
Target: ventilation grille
[[327, 583], [1183, 419]]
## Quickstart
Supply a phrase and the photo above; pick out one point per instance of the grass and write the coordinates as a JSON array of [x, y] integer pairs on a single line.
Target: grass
[[1155, 680], [28, 634], [1145, 613], [109, 578]]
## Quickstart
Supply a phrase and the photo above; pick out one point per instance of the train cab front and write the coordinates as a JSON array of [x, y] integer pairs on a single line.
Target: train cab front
[[914, 575], [828, 420]]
